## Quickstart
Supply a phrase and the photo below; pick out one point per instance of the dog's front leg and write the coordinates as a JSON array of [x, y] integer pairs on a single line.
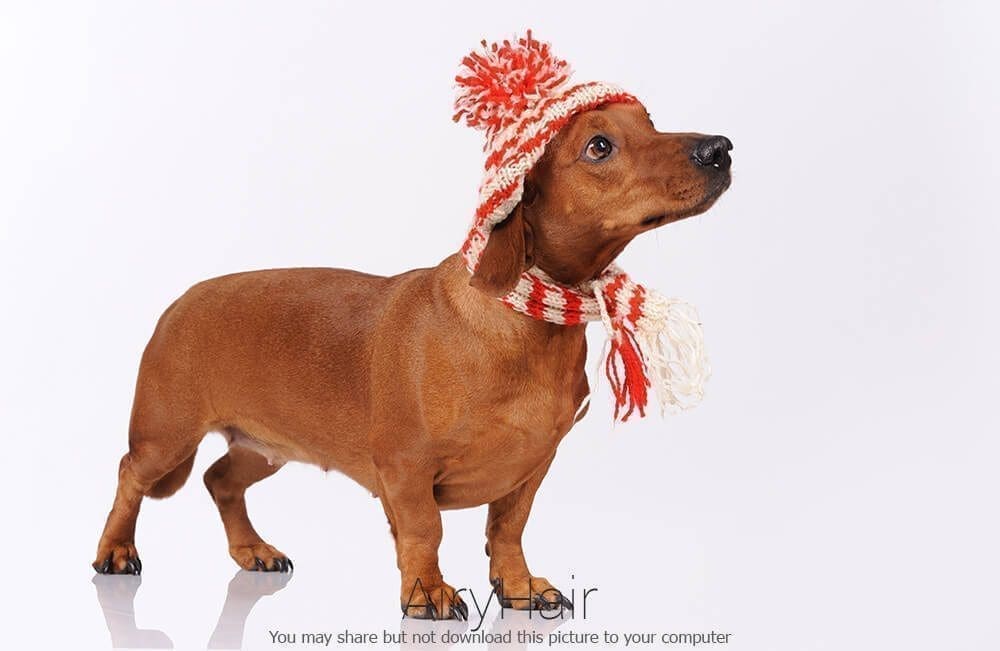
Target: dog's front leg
[[513, 583], [407, 495]]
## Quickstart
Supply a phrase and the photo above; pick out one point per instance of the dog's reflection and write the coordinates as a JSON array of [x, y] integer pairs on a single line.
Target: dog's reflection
[[116, 595], [245, 590]]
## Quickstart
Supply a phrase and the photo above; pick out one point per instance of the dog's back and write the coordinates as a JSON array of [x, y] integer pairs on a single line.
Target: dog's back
[[243, 352]]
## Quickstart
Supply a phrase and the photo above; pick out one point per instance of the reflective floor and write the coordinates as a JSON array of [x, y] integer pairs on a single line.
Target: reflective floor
[[116, 595]]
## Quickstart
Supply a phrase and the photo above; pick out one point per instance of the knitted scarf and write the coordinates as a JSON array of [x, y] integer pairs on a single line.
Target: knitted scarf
[[653, 341], [514, 91]]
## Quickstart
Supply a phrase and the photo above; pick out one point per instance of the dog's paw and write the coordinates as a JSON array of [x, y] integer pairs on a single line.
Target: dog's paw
[[118, 558], [438, 601], [529, 593], [261, 557]]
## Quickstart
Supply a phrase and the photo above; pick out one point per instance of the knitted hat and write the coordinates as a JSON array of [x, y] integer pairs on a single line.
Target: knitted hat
[[517, 93]]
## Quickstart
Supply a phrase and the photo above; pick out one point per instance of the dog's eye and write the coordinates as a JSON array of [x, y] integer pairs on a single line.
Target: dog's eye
[[598, 148]]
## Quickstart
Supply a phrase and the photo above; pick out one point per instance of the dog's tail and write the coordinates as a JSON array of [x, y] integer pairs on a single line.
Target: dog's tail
[[171, 482]]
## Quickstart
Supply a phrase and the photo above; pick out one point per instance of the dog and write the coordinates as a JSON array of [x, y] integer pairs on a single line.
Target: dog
[[422, 387]]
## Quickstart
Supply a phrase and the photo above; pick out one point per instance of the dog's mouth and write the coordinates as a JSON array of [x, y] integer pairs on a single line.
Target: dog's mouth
[[706, 202], [656, 220]]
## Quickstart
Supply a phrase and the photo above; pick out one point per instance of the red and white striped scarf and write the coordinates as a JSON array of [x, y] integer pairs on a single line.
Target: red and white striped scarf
[[653, 341]]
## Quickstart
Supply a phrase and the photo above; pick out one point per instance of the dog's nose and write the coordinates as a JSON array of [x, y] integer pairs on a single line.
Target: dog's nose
[[713, 151]]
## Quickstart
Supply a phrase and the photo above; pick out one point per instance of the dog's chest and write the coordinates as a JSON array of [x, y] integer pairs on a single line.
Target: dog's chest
[[500, 442]]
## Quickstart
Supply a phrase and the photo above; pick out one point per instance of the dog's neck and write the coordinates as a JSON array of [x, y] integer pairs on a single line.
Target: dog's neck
[[493, 317]]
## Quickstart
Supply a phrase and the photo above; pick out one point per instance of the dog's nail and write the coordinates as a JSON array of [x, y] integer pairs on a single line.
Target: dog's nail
[[541, 603], [138, 565], [557, 601], [291, 568], [106, 568], [566, 603], [462, 610], [260, 564], [432, 612]]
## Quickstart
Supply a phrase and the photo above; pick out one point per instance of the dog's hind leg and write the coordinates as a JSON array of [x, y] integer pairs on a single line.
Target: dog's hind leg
[[154, 469], [227, 480], [162, 441]]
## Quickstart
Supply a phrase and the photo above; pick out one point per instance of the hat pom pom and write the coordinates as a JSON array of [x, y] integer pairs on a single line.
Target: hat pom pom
[[497, 85]]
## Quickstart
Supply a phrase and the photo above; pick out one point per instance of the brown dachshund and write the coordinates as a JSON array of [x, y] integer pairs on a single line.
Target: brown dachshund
[[422, 387]]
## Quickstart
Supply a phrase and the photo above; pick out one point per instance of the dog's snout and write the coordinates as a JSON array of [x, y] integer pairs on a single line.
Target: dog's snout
[[713, 151]]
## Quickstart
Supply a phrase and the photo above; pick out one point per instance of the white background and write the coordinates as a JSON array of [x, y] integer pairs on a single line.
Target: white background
[[837, 489]]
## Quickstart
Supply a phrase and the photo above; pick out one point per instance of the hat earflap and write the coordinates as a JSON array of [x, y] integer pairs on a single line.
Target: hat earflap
[[509, 253]]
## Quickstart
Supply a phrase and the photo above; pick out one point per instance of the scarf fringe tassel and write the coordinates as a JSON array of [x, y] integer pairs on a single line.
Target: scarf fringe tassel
[[663, 349]]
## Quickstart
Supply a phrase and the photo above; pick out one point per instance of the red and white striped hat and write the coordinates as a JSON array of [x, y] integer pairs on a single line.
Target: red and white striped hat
[[516, 91]]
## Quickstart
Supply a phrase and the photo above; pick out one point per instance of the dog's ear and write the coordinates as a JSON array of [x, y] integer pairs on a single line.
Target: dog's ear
[[508, 252]]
